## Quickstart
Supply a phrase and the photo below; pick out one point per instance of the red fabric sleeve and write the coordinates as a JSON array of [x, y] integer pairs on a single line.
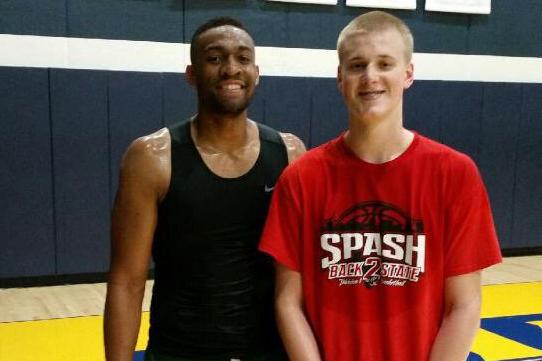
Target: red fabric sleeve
[[470, 240], [281, 237]]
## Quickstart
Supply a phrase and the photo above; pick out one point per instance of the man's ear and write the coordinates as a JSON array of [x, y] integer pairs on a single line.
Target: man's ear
[[190, 75], [257, 75], [409, 76], [339, 77]]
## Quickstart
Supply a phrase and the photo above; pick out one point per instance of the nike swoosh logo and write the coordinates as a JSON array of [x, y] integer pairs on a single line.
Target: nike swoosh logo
[[268, 189]]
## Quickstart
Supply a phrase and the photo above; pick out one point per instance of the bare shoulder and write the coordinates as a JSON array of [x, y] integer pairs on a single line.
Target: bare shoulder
[[147, 161], [149, 150], [294, 146]]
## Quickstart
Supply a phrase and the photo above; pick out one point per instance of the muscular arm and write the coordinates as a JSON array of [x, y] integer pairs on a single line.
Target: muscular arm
[[294, 329], [144, 178], [294, 146], [461, 318]]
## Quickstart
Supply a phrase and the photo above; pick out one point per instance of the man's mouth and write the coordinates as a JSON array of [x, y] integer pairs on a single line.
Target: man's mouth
[[230, 86], [371, 94]]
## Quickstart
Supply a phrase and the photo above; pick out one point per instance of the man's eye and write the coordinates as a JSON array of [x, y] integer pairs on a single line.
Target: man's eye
[[243, 59], [356, 66], [213, 59], [386, 65]]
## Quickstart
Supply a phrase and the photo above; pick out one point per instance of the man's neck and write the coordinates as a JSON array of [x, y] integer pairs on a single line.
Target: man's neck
[[222, 133], [378, 142]]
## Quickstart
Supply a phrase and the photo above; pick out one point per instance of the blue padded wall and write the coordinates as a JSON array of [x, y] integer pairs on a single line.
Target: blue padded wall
[[135, 109], [422, 108], [33, 17], [497, 157], [130, 20], [473, 117], [329, 116], [81, 175], [282, 110], [494, 35], [179, 98], [460, 109], [275, 23], [65, 131], [528, 192], [26, 191], [436, 32]]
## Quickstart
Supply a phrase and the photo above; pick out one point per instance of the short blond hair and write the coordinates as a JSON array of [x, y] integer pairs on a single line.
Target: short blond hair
[[378, 21]]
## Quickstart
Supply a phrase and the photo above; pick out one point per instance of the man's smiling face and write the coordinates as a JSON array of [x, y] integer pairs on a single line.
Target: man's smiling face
[[373, 73], [224, 70]]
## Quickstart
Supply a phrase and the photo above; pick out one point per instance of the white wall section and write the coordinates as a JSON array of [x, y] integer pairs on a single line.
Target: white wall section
[[146, 56]]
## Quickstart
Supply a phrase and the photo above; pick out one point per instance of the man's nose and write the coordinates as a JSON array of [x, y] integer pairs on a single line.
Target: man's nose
[[370, 74], [231, 67]]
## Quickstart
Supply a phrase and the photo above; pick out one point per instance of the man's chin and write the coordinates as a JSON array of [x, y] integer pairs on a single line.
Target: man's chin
[[229, 108]]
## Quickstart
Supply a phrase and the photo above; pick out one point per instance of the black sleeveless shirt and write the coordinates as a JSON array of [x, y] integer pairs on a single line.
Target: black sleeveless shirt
[[213, 290]]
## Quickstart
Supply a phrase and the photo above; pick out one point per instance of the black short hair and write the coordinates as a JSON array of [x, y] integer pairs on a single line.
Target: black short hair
[[210, 24]]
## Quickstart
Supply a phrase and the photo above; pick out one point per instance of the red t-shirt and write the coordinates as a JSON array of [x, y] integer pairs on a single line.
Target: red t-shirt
[[375, 242]]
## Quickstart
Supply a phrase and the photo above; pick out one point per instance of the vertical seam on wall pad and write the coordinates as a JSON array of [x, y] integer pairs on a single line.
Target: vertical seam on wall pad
[[311, 114], [52, 155], [184, 23], [162, 99], [66, 17], [109, 148], [516, 143], [480, 123]]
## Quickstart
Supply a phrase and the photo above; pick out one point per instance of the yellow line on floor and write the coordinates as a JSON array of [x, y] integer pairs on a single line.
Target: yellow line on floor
[[80, 338], [493, 347], [67, 339], [511, 299]]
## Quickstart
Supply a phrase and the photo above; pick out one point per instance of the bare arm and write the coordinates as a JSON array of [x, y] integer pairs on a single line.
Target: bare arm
[[294, 146], [294, 329], [144, 178], [461, 318]]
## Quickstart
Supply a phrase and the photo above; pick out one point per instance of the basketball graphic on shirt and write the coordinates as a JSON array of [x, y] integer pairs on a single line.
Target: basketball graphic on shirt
[[373, 243]]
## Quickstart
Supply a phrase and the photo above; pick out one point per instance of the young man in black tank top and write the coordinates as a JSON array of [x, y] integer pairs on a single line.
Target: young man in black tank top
[[195, 195]]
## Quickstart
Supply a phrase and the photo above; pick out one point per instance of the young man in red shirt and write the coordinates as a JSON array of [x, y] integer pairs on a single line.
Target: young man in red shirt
[[379, 235]]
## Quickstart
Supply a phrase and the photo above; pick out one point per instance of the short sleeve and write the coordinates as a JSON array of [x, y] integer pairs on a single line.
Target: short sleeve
[[470, 239], [281, 237]]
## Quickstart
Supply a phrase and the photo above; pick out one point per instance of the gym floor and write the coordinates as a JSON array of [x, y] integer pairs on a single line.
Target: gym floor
[[64, 323]]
